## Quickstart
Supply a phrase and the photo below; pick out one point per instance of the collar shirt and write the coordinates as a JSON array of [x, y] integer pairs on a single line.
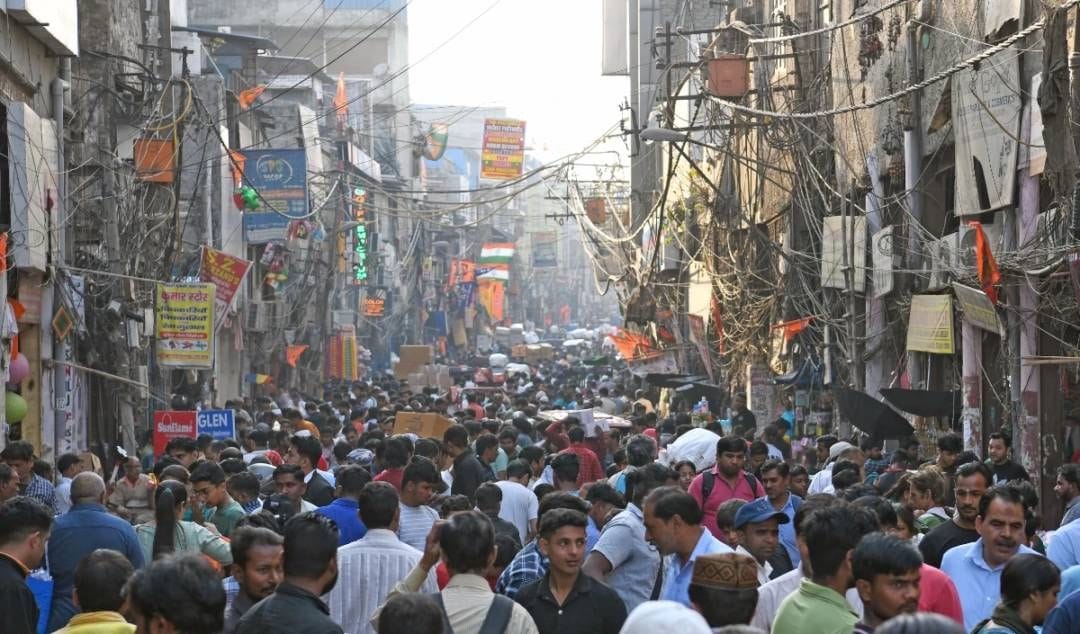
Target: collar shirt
[[97, 623], [63, 496], [289, 609], [977, 583], [822, 481], [764, 571], [678, 573], [787, 531], [1064, 546], [815, 608], [772, 595], [527, 566], [468, 598], [367, 570], [232, 590], [590, 608], [634, 561], [41, 490], [346, 514], [236, 610]]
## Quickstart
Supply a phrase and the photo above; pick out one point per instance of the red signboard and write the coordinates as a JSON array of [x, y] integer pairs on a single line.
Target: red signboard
[[226, 273], [171, 424]]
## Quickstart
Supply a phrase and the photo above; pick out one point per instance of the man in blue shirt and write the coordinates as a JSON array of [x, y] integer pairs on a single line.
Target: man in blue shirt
[[673, 522], [976, 568], [1065, 618], [87, 527], [776, 476], [345, 510]]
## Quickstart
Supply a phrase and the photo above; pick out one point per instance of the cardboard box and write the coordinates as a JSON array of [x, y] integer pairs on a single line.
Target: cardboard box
[[423, 425], [412, 359], [519, 351]]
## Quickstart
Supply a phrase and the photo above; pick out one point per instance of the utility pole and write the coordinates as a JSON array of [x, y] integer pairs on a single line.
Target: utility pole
[[913, 158]]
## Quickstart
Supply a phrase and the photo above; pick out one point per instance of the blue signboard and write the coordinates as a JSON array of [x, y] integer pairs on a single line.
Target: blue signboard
[[280, 177], [218, 423]]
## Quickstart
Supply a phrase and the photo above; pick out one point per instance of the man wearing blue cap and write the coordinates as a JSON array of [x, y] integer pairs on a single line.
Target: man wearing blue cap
[[758, 524]]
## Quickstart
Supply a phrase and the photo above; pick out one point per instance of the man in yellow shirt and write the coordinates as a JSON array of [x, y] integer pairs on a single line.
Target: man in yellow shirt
[[99, 582]]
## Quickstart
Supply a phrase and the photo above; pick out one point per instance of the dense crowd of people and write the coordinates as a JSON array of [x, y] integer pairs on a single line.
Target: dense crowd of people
[[322, 518]]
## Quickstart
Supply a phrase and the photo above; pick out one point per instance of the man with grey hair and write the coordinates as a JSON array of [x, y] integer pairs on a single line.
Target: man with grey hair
[[87, 527]]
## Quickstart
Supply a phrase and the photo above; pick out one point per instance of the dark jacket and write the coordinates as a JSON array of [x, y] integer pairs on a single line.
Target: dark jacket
[[590, 608], [290, 610], [319, 492], [469, 474], [18, 610]]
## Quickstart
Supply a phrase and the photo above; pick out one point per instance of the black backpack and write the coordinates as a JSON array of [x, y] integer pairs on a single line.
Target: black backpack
[[708, 481], [495, 621]]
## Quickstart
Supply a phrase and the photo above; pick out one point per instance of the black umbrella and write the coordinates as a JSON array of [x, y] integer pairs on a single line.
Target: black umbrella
[[871, 416], [925, 402], [672, 380]]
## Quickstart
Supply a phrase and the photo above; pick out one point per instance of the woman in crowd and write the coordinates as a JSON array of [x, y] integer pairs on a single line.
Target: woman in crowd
[[168, 533]]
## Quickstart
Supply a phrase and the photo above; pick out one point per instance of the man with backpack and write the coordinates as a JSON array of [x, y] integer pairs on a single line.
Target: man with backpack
[[726, 480], [466, 541]]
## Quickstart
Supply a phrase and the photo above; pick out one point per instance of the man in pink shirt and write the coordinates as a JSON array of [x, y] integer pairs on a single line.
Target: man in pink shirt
[[725, 481]]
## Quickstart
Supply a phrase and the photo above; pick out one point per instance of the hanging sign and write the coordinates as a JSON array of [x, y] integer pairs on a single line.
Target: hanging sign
[[184, 325], [280, 178], [172, 424], [226, 273], [503, 152], [930, 324]]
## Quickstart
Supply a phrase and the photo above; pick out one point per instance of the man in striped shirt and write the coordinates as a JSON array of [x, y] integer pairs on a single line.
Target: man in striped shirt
[[370, 567], [418, 483]]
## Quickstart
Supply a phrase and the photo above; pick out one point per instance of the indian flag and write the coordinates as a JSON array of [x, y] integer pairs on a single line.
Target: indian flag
[[497, 253], [499, 272]]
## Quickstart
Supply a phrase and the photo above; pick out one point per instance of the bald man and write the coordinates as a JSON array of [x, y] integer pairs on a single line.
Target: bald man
[[87, 527]]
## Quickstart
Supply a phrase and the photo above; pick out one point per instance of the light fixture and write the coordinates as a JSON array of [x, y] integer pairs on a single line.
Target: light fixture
[[662, 134]]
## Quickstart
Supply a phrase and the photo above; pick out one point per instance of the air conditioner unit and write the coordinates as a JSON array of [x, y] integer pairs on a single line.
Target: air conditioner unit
[[258, 316], [941, 255], [343, 318]]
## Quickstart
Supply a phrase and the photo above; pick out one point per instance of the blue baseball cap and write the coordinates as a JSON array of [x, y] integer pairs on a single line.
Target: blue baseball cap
[[758, 511]]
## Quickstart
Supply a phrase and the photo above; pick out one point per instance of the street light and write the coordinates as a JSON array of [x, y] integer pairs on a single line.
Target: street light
[[662, 134]]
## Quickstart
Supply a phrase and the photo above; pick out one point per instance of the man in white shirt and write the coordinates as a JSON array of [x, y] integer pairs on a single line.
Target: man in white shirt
[[69, 465], [822, 481], [418, 484], [370, 567], [519, 504]]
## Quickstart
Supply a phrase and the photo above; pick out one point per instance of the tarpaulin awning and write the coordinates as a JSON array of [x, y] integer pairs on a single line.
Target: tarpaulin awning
[[925, 402], [806, 375], [870, 415]]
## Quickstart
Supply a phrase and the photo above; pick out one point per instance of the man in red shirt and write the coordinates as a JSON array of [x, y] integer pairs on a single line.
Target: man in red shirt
[[591, 469], [725, 481]]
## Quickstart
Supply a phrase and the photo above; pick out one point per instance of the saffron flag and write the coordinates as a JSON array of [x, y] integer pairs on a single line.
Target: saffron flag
[[248, 97], [491, 296], [793, 327], [341, 100], [632, 345], [292, 354], [985, 265]]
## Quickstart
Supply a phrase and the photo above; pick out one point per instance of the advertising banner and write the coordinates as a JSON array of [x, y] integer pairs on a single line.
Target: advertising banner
[[226, 273], [171, 424], [504, 149], [930, 325], [184, 325], [218, 423], [280, 177], [544, 250]]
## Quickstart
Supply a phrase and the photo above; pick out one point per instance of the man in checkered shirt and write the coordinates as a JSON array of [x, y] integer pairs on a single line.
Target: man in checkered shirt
[[19, 455]]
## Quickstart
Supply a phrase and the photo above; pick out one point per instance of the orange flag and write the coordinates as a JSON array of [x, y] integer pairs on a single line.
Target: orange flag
[[248, 97], [292, 354], [985, 265], [341, 100], [793, 327]]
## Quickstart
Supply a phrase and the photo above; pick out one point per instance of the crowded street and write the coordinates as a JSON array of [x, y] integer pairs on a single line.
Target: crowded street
[[561, 317]]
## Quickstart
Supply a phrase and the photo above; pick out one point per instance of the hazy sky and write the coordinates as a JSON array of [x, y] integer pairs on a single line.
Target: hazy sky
[[538, 58]]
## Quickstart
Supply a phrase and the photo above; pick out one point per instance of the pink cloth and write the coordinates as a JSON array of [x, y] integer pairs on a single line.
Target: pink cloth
[[722, 492], [937, 594]]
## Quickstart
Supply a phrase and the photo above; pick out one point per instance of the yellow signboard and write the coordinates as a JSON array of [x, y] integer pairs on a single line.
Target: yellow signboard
[[930, 324], [977, 307], [184, 325]]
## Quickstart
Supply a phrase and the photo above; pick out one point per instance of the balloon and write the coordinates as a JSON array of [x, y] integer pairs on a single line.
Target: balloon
[[15, 407], [19, 370]]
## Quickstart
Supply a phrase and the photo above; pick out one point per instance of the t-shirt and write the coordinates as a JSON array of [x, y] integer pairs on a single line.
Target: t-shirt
[[743, 422], [225, 517], [1007, 471], [519, 505], [634, 561], [943, 537], [414, 524]]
